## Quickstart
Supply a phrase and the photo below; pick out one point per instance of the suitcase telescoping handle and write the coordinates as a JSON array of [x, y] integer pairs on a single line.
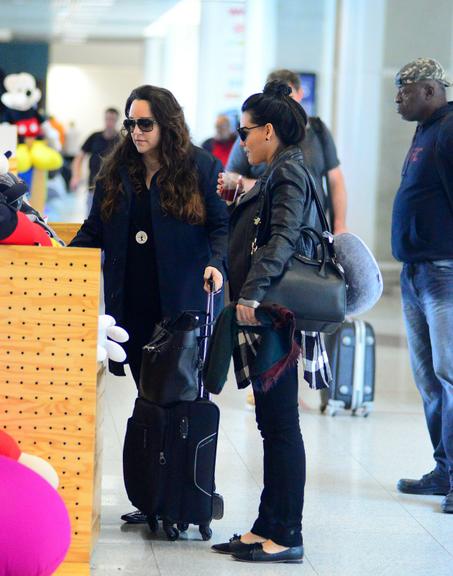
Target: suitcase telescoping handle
[[207, 332]]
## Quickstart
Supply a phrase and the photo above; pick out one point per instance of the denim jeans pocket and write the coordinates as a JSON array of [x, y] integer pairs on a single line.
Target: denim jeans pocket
[[446, 264]]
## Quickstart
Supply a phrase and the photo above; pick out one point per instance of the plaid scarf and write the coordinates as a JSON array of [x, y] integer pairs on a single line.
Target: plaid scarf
[[317, 371]]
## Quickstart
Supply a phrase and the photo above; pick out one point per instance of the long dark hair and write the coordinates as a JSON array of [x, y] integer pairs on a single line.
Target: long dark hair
[[275, 106], [177, 179]]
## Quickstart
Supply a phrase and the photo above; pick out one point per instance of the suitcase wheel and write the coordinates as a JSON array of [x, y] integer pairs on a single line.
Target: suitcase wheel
[[171, 532], [153, 523], [182, 527], [205, 531]]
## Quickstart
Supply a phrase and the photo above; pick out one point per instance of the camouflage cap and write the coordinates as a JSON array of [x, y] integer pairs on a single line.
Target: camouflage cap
[[419, 70]]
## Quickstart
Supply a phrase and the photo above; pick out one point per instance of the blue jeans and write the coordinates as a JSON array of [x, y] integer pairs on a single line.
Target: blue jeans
[[427, 294], [282, 498]]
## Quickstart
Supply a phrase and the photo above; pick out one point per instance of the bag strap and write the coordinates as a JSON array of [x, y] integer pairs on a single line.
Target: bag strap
[[440, 167], [324, 239], [312, 191], [318, 126]]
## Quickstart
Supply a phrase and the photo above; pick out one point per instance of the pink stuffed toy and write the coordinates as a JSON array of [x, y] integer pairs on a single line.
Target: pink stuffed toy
[[35, 532]]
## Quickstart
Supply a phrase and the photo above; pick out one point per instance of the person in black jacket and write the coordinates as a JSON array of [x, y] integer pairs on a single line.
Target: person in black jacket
[[272, 127], [158, 219]]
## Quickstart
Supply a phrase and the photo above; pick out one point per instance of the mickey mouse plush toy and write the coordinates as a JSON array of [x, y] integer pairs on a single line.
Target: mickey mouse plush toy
[[21, 99]]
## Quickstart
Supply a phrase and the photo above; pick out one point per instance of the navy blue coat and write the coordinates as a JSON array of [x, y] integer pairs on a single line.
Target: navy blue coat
[[182, 250]]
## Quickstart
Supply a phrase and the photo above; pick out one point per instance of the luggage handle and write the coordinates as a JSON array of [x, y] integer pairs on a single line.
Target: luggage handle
[[208, 326]]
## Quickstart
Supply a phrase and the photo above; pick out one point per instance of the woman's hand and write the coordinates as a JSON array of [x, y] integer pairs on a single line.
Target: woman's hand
[[229, 186], [213, 274], [246, 315]]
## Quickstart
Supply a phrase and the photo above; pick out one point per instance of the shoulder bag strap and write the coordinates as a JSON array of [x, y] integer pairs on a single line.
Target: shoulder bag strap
[[312, 191]]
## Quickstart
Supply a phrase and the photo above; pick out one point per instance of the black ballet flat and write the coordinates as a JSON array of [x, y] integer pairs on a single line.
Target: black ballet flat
[[231, 547], [135, 517], [255, 553]]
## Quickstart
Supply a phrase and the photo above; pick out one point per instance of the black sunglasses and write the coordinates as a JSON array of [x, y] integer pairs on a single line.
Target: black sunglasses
[[144, 124], [243, 131]]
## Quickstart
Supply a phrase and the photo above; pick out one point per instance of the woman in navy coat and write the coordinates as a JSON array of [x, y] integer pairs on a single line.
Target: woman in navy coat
[[158, 219]]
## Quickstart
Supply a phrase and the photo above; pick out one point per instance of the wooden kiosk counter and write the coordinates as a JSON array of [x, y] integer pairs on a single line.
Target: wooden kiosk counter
[[51, 386]]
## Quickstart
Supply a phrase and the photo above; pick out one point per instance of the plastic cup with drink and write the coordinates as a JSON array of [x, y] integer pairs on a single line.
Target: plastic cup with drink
[[229, 186]]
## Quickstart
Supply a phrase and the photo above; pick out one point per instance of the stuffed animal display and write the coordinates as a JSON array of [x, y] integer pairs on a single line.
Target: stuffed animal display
[[21, 99], [35, 529], [19, 222], [10, 448]]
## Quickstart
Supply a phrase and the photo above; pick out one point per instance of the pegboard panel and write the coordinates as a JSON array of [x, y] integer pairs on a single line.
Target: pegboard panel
[[49, 302]]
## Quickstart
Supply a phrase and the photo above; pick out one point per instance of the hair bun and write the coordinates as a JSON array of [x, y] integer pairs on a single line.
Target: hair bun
[[277, 89]]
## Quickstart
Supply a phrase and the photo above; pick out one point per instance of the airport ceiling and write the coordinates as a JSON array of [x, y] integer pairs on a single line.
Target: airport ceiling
[[78, 20]]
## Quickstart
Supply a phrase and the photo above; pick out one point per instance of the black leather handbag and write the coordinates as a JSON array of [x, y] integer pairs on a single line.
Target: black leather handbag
[[171, 361], [314, 289]]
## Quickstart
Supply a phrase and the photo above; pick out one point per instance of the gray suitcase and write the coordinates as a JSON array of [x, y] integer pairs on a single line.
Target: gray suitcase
[[352, 356]]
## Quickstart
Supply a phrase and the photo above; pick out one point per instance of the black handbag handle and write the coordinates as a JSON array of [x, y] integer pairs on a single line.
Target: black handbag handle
[[318, 238]]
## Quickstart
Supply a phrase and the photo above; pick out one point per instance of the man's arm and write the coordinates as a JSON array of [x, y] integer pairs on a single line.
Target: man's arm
[[76, 167], [443, 156], [334, 175], [76, 170], [339, 199]]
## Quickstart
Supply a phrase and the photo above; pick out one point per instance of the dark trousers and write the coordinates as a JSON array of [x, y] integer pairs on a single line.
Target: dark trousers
[[282, 498]]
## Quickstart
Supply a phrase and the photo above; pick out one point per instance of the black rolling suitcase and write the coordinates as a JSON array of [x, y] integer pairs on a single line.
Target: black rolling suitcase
[[169, 459], [351, 353]]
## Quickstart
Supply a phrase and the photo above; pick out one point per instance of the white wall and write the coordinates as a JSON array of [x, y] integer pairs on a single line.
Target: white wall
[[86, 79], [306, 42], [358, 105], [221, 62]]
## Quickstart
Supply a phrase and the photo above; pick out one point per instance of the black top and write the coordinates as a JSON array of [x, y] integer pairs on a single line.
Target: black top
[[141, 277], [98, 146], [422, 222]]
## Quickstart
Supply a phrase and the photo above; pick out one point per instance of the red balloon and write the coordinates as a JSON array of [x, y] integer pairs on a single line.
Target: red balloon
[[8, 446]]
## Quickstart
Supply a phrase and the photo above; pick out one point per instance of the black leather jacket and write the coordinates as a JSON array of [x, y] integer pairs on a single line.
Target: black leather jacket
[[286, 206]]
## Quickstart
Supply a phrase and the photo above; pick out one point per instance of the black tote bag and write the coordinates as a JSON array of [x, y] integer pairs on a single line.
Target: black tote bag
[[171, 362], [314, 289]]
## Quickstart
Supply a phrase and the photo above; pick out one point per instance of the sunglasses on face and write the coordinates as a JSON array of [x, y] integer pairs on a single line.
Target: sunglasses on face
[[243, 131], [144, 124]]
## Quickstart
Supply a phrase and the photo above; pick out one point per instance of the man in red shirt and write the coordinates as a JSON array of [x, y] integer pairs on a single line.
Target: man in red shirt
[[223, 141]]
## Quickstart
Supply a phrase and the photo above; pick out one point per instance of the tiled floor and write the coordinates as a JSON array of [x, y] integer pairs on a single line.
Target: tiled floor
[[355, 522]]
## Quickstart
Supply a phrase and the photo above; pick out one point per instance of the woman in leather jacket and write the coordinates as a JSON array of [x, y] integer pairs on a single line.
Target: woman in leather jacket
[[272, 126]]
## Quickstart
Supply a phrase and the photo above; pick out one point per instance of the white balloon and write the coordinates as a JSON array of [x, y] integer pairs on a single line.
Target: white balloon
[[105, 321], [118, 334], [41, 467], [109, 348], [115, 352]]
